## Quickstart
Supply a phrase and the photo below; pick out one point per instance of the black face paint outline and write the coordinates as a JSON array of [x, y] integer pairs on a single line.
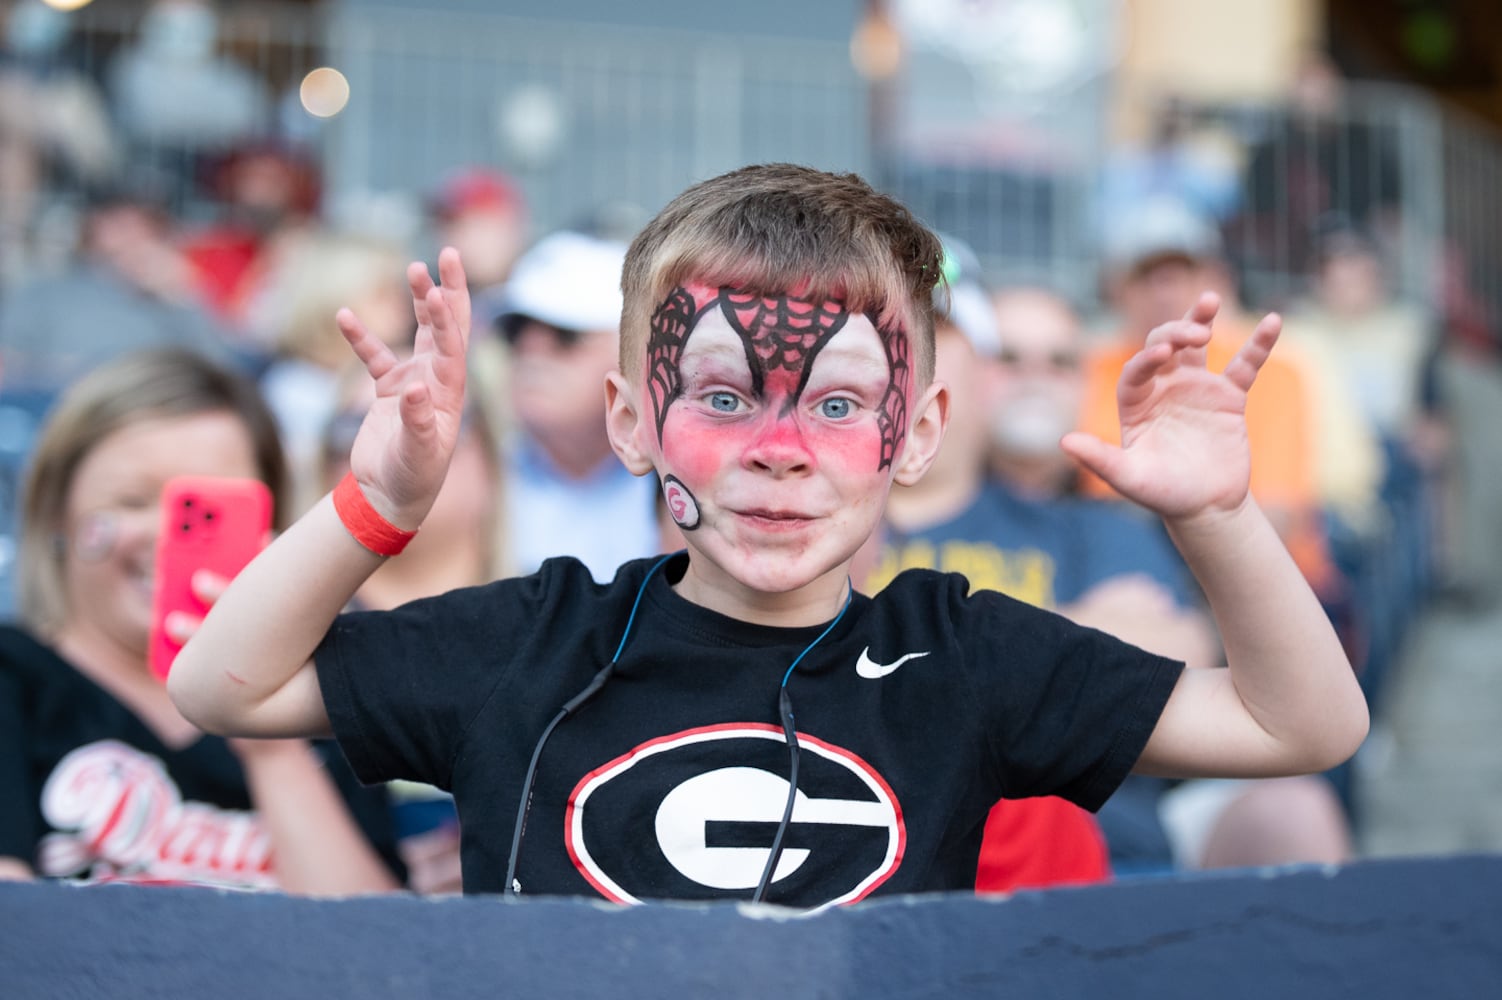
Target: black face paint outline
[[891, 412], [672, 322], [688, 494], [778, 332]]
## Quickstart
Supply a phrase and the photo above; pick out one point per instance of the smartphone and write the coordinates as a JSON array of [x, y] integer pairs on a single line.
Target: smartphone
[[208, 523]]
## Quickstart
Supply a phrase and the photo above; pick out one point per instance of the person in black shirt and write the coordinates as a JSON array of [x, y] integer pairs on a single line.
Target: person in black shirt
[[101, 779]]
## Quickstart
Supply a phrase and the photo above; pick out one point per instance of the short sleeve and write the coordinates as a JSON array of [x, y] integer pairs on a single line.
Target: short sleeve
[[404, 687], [401, 687], [1068, 709]]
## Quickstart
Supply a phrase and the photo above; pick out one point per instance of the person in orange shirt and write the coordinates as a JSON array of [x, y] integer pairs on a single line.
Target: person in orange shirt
[[1159, 259]]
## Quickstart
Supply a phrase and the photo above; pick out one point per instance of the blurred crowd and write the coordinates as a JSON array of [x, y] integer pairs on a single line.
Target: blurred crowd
[[128, 326]]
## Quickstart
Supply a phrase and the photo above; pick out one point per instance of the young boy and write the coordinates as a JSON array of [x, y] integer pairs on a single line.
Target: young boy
[[764, 732]]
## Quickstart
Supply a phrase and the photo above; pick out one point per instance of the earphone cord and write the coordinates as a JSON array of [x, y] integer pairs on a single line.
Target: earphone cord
[[790, 733], [524, 807]]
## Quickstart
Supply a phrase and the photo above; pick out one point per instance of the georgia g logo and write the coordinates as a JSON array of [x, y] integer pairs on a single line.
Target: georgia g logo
[[692, 816]]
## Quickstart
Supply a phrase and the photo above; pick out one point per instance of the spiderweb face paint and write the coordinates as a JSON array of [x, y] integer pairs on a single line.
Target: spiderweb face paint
[[782, 336]]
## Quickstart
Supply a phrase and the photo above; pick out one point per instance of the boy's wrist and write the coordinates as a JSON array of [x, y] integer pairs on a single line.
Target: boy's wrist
[[1215, 522], [368, 526]]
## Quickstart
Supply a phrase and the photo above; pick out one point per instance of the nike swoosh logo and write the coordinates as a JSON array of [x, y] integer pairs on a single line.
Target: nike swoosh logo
[[871, 670]]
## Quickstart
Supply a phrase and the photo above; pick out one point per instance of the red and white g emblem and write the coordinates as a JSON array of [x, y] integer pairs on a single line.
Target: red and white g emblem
[[681, 503], [692, 815]]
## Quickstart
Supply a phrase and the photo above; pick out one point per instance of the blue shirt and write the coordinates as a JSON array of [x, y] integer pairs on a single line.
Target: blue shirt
[[604, 519], [1047, 553]]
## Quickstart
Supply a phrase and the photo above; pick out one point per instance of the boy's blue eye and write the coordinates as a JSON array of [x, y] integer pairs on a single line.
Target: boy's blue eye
[[835, 409], [724, 402]]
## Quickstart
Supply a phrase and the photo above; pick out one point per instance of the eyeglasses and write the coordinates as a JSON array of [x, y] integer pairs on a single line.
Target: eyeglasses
[[1060, 361], [92, 536]]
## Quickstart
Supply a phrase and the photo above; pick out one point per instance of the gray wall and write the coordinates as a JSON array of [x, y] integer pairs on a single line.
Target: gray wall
[[1430, 929]]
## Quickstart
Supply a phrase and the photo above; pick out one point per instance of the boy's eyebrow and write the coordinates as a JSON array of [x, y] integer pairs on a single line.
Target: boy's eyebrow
[[713, 350], [850, 352]]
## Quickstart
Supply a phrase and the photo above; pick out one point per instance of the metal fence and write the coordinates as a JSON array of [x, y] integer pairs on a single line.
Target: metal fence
[[1372, 163], [588, 115], [1469, 254], [582, 115]]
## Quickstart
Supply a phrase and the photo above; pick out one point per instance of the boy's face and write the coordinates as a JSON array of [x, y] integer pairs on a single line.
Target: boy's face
[[777, 427]]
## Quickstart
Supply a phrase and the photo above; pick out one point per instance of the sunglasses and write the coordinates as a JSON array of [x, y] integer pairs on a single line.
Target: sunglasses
[[1058, 361], [512, 327]]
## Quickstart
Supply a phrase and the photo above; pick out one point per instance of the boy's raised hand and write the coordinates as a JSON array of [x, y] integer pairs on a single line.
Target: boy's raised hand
[[402, 451], [1183, 428]]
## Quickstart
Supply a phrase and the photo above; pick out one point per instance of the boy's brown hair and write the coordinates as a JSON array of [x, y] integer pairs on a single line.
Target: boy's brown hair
[[777, 228]]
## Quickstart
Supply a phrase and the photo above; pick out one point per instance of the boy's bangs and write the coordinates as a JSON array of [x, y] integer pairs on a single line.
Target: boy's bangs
[[848, 279]]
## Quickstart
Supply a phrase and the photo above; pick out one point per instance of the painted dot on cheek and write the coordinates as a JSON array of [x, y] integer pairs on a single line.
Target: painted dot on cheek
[[681, 503]]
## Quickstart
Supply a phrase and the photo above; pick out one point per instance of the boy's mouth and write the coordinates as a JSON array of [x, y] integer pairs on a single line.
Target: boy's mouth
[[775, 518]]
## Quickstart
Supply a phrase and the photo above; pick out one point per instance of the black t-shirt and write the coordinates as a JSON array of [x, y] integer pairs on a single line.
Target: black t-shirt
[[919, 709], [88, 791]]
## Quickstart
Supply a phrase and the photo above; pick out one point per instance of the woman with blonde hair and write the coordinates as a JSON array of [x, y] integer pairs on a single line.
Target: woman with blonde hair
[[101, 778]]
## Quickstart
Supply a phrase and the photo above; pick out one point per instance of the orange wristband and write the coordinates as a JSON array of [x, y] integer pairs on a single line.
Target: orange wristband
[[362, 520]]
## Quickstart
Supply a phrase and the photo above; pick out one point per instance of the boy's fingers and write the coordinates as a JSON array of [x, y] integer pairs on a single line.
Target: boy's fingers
[[1268, 330], [1180, 333], [455, 287], [417, 410], [1204, 309], [448, 338], [1185, 340], [421, 282], [1144, 366], [1243, 369], [376, 356], [422, 342], [1093, 453]]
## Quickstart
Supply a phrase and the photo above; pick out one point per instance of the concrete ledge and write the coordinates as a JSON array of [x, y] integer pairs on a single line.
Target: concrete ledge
[[1401, 929]]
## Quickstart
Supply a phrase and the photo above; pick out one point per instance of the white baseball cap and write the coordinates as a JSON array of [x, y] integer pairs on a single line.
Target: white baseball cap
[[568, 280], [1160, 227]]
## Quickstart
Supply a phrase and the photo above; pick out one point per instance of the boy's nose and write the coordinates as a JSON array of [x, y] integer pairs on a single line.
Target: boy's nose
[[780, 449]]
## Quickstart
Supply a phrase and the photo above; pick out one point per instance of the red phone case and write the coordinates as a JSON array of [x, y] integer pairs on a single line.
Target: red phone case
[[207, 523]]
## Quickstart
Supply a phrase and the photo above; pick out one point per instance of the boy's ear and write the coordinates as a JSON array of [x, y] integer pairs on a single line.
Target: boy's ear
[[624, 424], [927, 434]]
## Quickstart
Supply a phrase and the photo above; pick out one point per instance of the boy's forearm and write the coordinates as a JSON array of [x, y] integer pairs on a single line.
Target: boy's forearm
[[239, 673], [1288, 666]]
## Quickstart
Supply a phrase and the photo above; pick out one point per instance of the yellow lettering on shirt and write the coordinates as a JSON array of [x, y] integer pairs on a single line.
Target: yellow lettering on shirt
[[1024, 574]]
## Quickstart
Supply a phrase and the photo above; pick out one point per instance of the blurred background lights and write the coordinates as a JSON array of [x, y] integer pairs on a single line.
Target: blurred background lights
[[876, 47], [532, 123], [324, 92], [67, 4]]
